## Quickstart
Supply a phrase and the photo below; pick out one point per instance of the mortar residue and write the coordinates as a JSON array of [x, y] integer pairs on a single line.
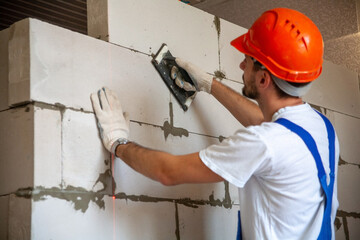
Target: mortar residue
[[177, 230], [169, 128], [78, 196], [226, 202], [219, 75], [344, 215], [217, 25], [343, 162], [221, 138]]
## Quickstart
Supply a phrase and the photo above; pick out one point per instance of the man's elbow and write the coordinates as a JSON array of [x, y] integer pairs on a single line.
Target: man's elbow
[[169, 175], [167, 179]]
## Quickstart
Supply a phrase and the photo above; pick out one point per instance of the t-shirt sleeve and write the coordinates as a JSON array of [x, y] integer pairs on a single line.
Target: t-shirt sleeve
[[239, 157]]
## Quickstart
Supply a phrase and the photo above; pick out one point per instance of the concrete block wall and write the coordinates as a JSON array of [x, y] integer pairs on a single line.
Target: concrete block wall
[[63, 179]]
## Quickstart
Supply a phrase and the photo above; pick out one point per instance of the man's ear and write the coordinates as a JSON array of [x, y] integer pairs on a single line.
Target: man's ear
[[264, 79]]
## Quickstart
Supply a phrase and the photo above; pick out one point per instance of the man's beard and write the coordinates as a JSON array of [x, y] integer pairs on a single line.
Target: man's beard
[[249, 90]]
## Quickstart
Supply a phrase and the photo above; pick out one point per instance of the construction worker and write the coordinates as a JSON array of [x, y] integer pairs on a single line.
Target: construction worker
[[284, 162]]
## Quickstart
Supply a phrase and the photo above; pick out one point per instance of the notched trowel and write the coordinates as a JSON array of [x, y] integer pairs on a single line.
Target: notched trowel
[[170, 72]]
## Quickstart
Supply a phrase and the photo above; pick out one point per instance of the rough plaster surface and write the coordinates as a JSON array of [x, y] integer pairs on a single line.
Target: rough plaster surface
[[344, 51], [334, 19]]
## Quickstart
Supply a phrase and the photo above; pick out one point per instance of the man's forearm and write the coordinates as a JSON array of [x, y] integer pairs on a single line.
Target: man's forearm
[[164, 167], [145, 161], [245, 111]]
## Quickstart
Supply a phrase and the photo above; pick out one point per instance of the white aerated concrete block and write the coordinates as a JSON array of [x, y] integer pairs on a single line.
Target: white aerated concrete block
[[4, 216], [340, 233], [19, 63], [19, 217], [4, 38], [216, 223], [348, 132], [230, 57], [336, 89], [144, 25], [36, 131], [130, 182], [79, 65], [207, 116], [172, 139], [348, 188], [54, 218], [144, 220], [97, 14], [47, 146], [83, 155], [353, 225], [16, 148]]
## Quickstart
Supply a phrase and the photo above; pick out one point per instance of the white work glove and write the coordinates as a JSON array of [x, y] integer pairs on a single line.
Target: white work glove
[[201, 79], [112, 122]]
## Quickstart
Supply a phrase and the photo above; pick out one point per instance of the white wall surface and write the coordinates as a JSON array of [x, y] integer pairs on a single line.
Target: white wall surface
[[62, 158]]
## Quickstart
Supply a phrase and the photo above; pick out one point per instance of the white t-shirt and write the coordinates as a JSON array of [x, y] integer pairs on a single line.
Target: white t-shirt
[[280, 193]]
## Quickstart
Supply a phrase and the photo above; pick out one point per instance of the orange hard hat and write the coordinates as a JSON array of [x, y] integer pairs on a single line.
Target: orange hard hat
[[287, 43]]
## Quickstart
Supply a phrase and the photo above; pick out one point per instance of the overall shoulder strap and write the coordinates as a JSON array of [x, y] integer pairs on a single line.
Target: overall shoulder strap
[[326, 231]]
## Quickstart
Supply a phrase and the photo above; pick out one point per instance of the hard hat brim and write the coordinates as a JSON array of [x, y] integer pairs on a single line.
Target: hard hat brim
[[238, 44]]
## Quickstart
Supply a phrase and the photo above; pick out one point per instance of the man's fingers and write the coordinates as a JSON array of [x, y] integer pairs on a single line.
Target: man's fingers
[[95, 103], [179, 82], [103, 100], [114, 102], [189, 87], [181, 63]]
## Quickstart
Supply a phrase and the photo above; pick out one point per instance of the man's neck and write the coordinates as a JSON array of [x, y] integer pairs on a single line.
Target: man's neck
[[270, 106]]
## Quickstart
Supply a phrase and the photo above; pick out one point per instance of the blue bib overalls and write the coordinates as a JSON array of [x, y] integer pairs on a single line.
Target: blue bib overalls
[[325, 232]]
